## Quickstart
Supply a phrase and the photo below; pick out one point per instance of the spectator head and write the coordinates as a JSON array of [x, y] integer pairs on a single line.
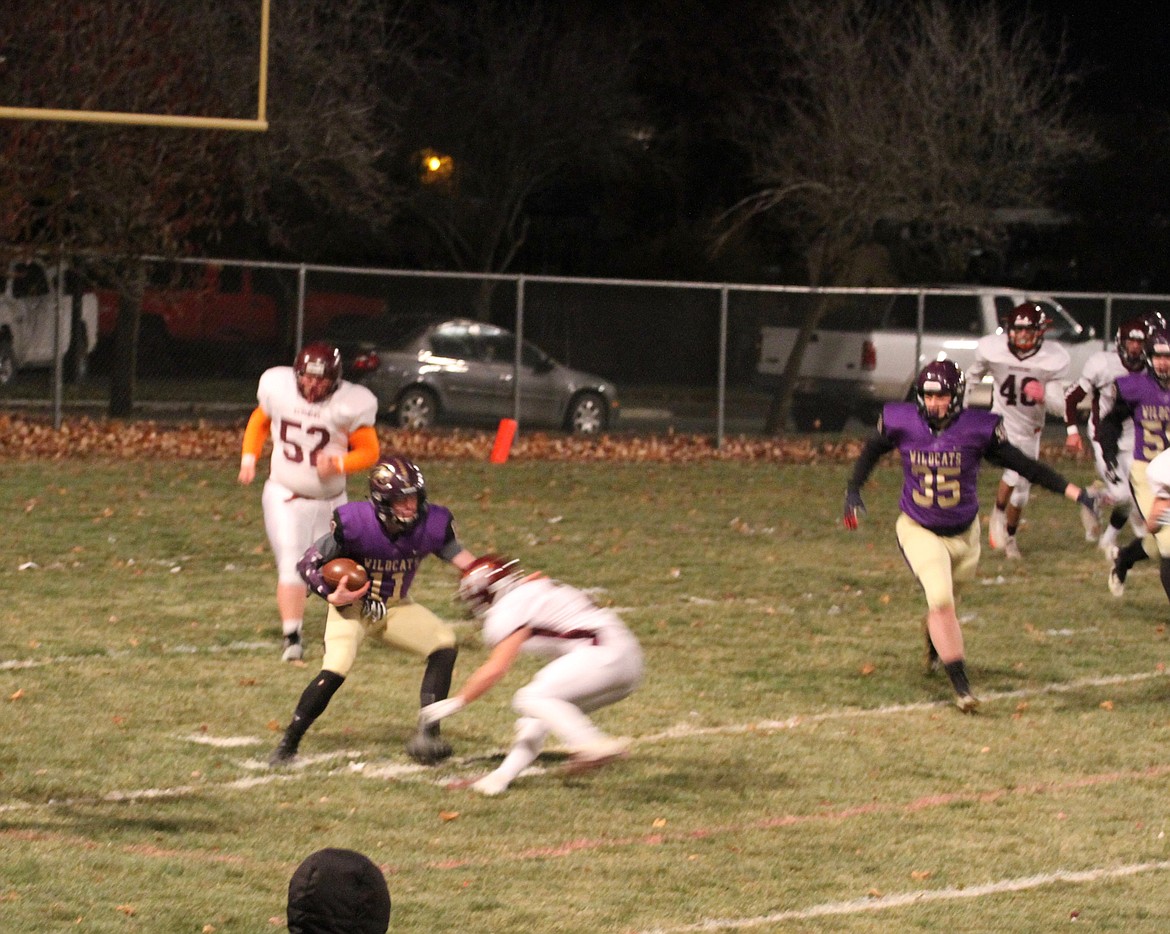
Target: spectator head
[[338, 892]]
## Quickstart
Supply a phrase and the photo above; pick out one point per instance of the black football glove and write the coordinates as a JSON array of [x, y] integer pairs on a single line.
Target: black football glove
[[854, 507]]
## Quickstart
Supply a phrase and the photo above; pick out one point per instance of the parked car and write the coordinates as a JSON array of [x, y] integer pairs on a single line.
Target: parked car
[[31, 310], [866, 351], [461, 371]]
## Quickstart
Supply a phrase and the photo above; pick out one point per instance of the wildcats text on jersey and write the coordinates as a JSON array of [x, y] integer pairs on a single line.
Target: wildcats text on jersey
[[936, 458], [384, 566]]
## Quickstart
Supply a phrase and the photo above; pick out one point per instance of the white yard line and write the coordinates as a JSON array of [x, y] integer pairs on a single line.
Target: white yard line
[[356, 762], [19, 664], [684, 730], [922, 896]]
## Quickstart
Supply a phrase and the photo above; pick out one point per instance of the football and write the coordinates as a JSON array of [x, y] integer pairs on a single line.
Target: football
[[338, 568]]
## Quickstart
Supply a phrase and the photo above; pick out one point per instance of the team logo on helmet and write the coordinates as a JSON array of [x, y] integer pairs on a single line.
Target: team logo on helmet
[[1025, 327], [940, 377], [318, 371], [486, 579], [393, 481]]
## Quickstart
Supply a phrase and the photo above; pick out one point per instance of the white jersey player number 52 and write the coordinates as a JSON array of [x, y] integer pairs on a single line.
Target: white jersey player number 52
[[294, 449]]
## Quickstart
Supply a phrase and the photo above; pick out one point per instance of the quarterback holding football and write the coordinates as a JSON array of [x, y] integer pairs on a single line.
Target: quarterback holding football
[[388, 536]]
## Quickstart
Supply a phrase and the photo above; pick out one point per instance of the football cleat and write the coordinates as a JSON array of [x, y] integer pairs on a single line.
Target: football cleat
[[1116, 582], [595, 755], [427, 749], [967, 703], [997, 529], [1011, 549], [294, 649], [284, 753]]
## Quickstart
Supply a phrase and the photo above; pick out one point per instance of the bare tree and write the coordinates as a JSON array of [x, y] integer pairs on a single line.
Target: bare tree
[[340, 75], [930, 116], [107, 191], [121, 192], [515, 97]]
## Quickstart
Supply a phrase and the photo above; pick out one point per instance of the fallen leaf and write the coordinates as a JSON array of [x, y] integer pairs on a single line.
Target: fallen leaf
[[868, 668], [659, 822], [1106, 705], [920, 874], [448, 815], [17, 695], [128, 910]]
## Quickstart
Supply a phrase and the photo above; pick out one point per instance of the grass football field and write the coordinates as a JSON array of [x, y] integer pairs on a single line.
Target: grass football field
[[793, 767]]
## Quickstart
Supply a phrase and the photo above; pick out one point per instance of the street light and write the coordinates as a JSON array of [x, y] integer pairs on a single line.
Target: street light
[[435, 167]]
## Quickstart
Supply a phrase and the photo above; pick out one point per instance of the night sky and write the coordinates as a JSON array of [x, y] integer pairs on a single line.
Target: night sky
[[1123, 51]]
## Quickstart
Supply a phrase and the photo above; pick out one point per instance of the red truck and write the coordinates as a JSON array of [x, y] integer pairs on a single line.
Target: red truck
[[217, 304]]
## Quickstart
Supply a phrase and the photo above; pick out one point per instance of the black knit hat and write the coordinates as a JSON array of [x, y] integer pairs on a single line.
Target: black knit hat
[[338, 892]]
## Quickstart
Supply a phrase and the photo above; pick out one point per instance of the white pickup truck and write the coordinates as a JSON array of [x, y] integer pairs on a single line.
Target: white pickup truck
[[866, 351], [28, 313]]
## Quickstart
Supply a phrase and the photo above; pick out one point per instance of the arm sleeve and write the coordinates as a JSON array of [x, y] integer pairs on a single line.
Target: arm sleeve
[[450, 547], [1003, 453], [1110, 426], [1072, 399], [877, 445], [363, 450], [256, 433], [320, 553]]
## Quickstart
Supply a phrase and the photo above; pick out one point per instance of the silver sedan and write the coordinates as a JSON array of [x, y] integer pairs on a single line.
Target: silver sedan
[[463, 371]]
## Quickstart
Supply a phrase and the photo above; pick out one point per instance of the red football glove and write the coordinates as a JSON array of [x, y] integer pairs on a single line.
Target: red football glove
[[854, 507]]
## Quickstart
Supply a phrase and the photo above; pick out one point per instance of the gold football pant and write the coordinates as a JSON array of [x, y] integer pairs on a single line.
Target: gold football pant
[[406, 626]]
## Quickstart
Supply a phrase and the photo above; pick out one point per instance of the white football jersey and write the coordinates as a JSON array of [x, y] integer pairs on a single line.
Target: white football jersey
[[1097, 380], [561, 618], [1022, 418], [304, 431]]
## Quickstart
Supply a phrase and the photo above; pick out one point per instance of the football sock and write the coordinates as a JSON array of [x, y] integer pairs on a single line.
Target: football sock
[[1130, 555], [1165, 572], [314, 699], [957, 672], [436, 682], [1118, 518], [291, 626]]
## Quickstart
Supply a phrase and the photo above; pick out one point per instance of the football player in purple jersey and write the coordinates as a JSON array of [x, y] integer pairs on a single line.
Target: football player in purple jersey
[[389, 535], [1143, 399], [942, 446]]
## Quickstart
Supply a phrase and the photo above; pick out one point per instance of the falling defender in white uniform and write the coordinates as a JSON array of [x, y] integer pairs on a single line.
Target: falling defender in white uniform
[[596, 661]]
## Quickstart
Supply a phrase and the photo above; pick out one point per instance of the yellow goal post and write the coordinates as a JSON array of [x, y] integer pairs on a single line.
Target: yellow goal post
[[259, 124]]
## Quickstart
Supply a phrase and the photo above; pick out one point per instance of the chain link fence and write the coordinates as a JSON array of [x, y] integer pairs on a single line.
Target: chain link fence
[[682, 354]]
